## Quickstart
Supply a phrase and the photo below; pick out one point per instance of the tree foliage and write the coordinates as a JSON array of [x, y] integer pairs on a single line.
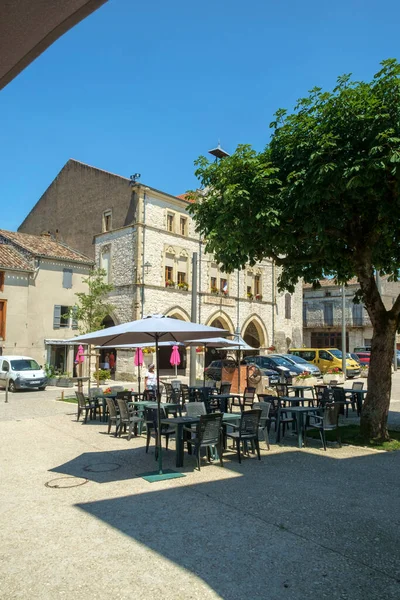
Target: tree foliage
[[92, 306], [322, 198]]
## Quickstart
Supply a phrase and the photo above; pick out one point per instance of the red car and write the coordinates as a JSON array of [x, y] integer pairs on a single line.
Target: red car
[[364, 357]]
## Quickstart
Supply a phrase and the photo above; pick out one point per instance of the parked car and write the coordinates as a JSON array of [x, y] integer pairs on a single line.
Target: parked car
[[22, 372], [363, 357], [353, 356], [275, 362], [327, 358], [301, 362]]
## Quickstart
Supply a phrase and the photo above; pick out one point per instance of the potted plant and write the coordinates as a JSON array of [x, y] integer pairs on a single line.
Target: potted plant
[[364, 371], [169, 283], [333, 374], [258, 296], [102, 375], [306, 379], [183, 286], [50, 374], [65, 380], [250, 295]]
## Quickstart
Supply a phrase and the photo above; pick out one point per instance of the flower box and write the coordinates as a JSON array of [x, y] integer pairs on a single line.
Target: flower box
[[306, 381], [336, 377], [170, 283], [259, 297]]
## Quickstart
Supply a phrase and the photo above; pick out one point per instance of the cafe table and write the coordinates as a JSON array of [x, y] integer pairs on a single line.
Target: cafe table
[[140, 406], [180, 422], [299, 412], [227, 398], [359, 397]]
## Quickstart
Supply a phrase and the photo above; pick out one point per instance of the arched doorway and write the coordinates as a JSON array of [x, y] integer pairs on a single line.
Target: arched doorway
[[254, 336], [108, 356], [216, 353]]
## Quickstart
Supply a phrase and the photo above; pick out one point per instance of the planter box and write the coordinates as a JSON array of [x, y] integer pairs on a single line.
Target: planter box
[[306, 382], [336, 377], [65, 382], [364, 373], [52, 381]]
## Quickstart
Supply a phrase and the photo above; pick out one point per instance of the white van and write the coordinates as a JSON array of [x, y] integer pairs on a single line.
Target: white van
[[22, 373]]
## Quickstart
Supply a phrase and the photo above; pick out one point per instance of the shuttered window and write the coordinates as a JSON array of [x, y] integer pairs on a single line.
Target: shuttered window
[[305, 315], [288, 306], [67, 278], [328, 313], [357, 315], [61, 317], [74, 320], [57, 317]]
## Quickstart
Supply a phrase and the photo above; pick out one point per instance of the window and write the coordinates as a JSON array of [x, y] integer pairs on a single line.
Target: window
[[213, 284], [305, 315], [181, 277], [168, 273], [107, 223], [67, 278], [182, 273], [288, 306], [105, 260], [249, 292], [1, 281], [3, 310], [223, 285], [257, 285], [357, 315], [328, 313], [170, 222], [6, 366], [325, 355], [183, 226], [61, 319]]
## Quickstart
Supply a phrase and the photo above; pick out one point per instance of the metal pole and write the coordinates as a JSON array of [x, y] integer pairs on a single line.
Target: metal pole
[[344, 349], [7, 381], [159, 446], [192, 372]]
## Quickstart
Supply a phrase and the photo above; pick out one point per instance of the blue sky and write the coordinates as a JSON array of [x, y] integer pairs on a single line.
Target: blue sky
[[148, 87]]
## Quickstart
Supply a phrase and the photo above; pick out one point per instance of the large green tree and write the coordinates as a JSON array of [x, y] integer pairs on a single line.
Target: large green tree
[[322, 199]]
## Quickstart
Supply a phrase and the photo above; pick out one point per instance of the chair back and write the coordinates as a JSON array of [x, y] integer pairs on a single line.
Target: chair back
[[185, 393], [93, 392], [123, 409], [225, 387], [116, 388], [126, 396], [358, 385], [319, 391], [264, 407], [281, 389], [333, 382], [81, 399], [248, 396], [169, 392], [149, 395], [209, 428], [150, 416], [338, 394], [249, 422], [112, 411], [331, 413], [195, 409]]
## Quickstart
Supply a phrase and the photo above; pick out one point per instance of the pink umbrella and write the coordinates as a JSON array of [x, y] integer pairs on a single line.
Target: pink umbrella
[[138, 362], [79, 360], [175, 359]]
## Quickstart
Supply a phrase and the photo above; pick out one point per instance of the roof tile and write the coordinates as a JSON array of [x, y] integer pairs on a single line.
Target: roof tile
[[45, 246], [10, 258]]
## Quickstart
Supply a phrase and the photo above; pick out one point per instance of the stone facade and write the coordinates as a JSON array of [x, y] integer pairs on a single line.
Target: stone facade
[[322, 314]]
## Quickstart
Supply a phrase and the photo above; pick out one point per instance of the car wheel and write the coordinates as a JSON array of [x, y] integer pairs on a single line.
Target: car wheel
[[42, 388], [11, 387]]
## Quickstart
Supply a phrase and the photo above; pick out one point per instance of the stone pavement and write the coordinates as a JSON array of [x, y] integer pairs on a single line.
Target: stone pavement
[[77, 520]]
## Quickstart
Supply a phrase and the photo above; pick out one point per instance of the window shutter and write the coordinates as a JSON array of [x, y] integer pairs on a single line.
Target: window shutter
[[57, 317], [74, 318], [357, 315], [288, 306], [67, 278], [328, 313], [305, 307]]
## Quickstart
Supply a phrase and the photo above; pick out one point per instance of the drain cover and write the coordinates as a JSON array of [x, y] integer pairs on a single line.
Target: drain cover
[[66, 482], [101, 467]]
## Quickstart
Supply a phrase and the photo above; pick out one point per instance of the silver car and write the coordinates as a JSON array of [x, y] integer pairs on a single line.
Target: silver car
[[301, 362]]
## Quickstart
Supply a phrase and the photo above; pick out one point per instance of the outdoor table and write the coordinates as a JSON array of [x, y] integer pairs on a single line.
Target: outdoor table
[[300, 389], [297, 401], [180, 422], [227, 398], [360, 397], [299, 412], [140, 405]]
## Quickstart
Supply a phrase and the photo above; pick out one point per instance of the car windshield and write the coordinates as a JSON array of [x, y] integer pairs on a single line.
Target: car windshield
[[335, 352], [24, 364], [297, 359], [280, 361]]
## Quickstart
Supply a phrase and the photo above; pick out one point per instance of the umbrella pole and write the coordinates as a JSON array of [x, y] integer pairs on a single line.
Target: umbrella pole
[[158, 412], [138, 377], [204, 366]]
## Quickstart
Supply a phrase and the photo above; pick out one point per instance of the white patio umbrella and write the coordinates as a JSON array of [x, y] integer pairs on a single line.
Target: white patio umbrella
[[156, 329], [213, 343]]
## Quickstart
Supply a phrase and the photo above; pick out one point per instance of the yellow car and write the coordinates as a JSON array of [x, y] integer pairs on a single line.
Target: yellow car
[[327, 358]]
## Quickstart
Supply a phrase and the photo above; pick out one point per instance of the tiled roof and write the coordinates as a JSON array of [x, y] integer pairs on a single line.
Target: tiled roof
[[45, 246], [12, 259], [330, 283], [186, 197]]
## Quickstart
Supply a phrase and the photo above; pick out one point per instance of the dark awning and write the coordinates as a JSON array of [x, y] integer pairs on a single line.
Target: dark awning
[[28, 27]]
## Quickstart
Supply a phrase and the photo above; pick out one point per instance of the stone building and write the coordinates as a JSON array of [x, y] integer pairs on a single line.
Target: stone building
[[322, 314], [145, 240], [39, 278]]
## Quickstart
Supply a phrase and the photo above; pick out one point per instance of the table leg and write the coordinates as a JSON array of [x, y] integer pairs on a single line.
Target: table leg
[[179, 445], [278, 426], [300, 425]]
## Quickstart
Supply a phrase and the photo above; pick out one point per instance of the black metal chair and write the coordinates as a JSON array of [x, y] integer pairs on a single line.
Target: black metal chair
[[357, 385], [185, 394], [113, 415], [328, 421], [248, 397], [247, 431], [225, 387], [207, 434], [281, 389]]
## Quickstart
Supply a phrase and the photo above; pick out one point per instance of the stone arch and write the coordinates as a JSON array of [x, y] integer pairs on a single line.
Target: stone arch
[[177, 312], [222, 320], [254, 332], [110, 320]]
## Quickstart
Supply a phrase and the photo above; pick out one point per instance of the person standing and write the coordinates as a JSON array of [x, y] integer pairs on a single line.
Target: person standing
[[150, 379], [106, 364], [112, 363]]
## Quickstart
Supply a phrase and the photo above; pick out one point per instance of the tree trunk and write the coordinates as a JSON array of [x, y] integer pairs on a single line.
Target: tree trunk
[[376, 407]]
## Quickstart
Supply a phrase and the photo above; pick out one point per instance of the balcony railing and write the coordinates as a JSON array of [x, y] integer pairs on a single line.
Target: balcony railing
[[336, 322]]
